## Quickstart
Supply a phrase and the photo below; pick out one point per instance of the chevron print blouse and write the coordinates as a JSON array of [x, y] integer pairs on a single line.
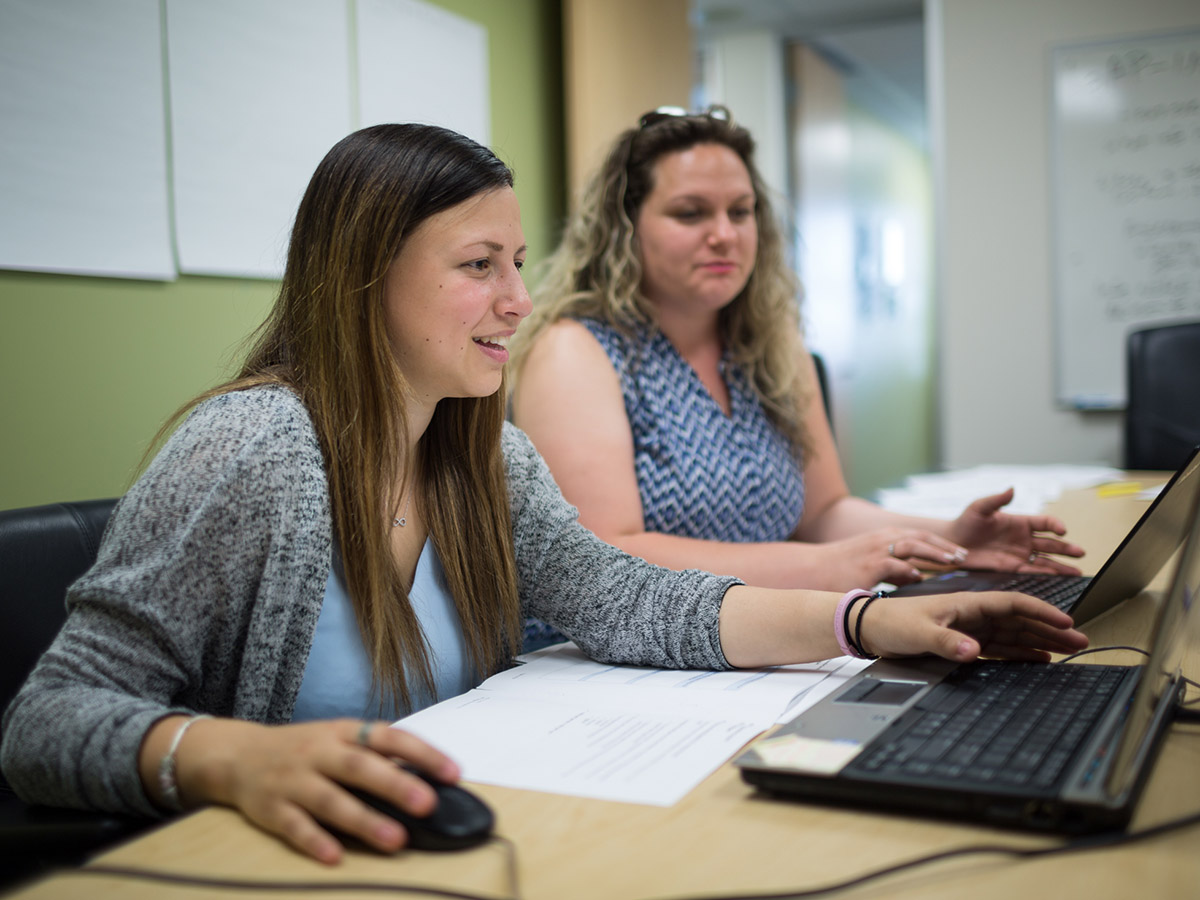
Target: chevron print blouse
[[701, 473]]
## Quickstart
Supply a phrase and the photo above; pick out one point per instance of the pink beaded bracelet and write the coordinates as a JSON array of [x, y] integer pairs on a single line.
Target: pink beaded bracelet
[[841, 621]]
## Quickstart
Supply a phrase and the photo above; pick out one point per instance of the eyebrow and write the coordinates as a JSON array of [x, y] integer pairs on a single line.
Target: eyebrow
[[699, 198], [499, 248]]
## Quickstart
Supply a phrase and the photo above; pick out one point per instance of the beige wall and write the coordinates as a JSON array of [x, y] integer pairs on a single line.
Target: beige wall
[[621, 58], [989, 78]]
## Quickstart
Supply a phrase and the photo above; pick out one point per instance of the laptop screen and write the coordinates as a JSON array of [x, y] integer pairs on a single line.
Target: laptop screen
[[1175, 619]]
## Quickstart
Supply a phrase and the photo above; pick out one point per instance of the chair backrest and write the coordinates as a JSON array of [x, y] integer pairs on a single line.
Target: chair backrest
[[1162, 415], [823, 384], [43, 549]]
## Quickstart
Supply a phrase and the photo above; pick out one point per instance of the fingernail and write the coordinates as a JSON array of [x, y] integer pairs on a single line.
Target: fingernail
[[387, 832], [327, 851]]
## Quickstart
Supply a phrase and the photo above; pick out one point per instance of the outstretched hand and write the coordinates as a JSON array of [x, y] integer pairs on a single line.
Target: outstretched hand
[[1005, 542], [964, 626]]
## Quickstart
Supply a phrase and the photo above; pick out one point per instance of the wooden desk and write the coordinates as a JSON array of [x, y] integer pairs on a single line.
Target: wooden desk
[[722, 839]]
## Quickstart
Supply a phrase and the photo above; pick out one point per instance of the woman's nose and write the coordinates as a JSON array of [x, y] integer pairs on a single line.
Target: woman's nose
[[516, 300], [723, 231]]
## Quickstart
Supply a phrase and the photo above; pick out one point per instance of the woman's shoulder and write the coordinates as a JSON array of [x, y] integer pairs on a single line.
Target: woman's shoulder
[[515, 445], [257, 412], [266, 429], [567, 346]]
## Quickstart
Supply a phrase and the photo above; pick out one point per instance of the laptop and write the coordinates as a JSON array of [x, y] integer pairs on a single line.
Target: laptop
[[1059, 747], [1140, 556]]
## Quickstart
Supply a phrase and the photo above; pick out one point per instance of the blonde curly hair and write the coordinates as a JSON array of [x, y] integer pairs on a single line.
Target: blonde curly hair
[[596, 272]]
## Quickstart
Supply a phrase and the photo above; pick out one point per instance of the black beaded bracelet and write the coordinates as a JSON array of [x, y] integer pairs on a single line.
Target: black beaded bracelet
[[856, 638]]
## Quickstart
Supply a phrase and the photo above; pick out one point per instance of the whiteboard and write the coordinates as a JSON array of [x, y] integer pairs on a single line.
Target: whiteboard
[[259, 92], [420, 63], [83, 149], [1125, 138]]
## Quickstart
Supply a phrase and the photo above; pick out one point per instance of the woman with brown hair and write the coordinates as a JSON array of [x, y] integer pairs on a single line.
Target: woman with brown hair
[[349, 530]]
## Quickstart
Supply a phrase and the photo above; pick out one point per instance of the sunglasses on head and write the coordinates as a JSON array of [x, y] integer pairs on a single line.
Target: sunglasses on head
[[652, 118]]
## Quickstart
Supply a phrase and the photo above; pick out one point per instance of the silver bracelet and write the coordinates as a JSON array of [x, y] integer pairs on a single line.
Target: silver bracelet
[[167, 784]]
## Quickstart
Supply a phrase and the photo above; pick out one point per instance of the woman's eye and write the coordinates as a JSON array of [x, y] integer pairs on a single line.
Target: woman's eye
[[687, 215], [479, 265], [741, 214], [519, 263]]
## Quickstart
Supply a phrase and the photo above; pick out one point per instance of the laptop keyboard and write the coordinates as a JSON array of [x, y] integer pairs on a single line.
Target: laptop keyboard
[[1059, 590], [996, 724]]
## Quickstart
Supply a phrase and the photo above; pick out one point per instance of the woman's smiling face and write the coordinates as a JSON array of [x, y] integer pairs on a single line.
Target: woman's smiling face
[[454, 296]]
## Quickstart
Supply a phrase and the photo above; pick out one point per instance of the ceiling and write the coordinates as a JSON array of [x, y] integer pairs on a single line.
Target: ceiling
[[878, 44]]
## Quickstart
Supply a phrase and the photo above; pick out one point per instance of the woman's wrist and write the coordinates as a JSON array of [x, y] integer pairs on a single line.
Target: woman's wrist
[[178, 767], [847, 623], [168, 781]]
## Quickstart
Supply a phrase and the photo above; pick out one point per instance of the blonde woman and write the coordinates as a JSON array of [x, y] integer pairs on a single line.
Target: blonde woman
[[663, 378]]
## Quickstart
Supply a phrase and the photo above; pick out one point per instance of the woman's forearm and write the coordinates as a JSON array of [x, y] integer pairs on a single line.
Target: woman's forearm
[[771, 564]]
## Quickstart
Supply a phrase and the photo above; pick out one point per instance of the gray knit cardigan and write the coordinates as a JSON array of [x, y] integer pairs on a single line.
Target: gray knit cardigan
[[210, 579]]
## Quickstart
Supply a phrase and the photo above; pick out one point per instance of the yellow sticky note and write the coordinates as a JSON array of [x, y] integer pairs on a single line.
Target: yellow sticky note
[[1118, 489]]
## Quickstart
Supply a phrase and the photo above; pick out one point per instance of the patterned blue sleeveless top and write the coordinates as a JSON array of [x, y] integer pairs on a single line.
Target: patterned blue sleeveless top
[[701, 473]]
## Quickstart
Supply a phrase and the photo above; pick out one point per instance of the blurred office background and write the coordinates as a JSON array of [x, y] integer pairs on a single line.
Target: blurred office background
[[908, 143]]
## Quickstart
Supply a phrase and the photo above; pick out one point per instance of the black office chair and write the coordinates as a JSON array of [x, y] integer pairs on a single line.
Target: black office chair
[[1162, 415], [823, 384], [43, 549]]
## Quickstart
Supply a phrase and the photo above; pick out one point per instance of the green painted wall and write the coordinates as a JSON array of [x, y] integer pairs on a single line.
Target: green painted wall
[[90, 367]]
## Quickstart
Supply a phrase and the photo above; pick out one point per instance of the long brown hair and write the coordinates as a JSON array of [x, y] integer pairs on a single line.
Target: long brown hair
[[596, 273], [326, 339]]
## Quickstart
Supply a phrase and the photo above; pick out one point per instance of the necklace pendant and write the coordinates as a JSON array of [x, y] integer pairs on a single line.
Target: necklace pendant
[[402, 521]]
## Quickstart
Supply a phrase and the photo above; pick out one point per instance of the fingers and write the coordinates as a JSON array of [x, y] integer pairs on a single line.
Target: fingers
[[1045, 565], [924, 545], [894, 571], [295, 781], [1046, 523], [986, 506], [961, 627], [400, 744], [303, 818], [1042, 544]]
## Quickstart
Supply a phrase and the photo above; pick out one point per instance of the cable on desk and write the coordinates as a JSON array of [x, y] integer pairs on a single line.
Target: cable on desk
[[1181, 714], [1103, 840], [1106, 649], [309, 887]]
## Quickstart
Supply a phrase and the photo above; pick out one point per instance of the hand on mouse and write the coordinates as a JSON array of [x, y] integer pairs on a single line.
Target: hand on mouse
[[288, 779]]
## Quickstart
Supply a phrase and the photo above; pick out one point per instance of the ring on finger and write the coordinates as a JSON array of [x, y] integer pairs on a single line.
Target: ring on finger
[[364, 732], [1033, 556], [891, 549]]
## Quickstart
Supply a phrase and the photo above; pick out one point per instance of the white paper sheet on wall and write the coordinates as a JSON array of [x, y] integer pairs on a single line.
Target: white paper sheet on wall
[[419, 63], [259, 93], [83, 158]]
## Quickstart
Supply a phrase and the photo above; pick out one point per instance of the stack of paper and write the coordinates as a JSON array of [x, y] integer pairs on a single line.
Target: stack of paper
[[944, 495], [565, 724]]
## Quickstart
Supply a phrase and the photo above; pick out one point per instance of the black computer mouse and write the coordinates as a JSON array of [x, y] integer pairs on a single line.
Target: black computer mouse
[[460, 820]]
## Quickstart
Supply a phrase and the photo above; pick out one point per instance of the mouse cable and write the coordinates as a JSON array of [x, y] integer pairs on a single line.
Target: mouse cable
[[135, 873], [1100, 841], [1092, 842]]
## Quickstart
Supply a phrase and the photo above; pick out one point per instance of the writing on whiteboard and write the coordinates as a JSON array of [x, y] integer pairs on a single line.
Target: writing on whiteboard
[[1126, 132]]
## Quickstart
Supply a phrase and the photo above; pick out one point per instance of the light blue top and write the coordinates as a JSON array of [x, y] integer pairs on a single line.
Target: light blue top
[[337, 679], [211, 578]]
